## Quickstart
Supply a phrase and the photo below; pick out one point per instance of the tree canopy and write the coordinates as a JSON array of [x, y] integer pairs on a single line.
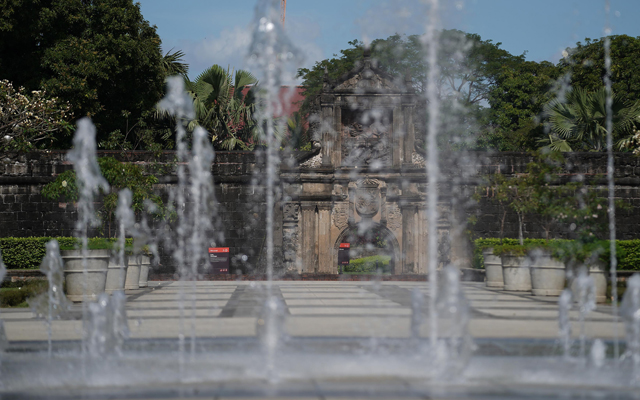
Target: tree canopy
[[586, 65], [101, 56], [502, 99]]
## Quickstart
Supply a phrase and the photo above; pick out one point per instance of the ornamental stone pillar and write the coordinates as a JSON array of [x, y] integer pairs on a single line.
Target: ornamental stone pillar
[[309, 238]]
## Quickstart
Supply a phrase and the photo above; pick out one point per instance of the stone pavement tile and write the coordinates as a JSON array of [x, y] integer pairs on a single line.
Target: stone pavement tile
[[375, 302], [546, 313], [349, 311], [494, 328], [36, 330], [513, 304], [356, 326], [303, 295], [172, 313], [323, 290], [172, 304], [175, 297], [205, 327], [176, 292], [10, 315]]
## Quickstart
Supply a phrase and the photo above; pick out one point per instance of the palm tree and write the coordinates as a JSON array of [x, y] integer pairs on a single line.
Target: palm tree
[[222, 107], [579, 123], [173, 64]]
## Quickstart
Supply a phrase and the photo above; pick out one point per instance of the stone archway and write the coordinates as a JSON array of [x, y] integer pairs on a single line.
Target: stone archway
[[382, 231]]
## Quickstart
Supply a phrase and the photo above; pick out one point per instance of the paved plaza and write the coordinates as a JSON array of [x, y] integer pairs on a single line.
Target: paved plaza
[[316, 309]]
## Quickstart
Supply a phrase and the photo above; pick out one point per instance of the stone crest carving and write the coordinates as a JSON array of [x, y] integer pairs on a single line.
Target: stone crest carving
[[290, 211], [394, 217], [367, 198], [340, 215]]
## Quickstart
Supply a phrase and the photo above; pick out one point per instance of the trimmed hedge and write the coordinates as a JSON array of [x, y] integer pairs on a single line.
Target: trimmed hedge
[[368, 264], [28, 252], [627, 251]]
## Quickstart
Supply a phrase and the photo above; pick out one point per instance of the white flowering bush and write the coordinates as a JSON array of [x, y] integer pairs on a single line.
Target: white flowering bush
[[30, 120]]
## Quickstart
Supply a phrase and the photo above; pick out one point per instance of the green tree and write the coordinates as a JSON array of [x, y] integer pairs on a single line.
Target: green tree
[[173, 64], [222, 107], [517, 101], [585, 64], [579, 123], [101, 56]]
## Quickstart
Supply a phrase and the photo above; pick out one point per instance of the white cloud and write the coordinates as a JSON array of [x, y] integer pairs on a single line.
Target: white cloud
[[230, 46]]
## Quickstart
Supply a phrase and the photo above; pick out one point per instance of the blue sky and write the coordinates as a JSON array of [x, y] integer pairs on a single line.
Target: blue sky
[[218, 31]]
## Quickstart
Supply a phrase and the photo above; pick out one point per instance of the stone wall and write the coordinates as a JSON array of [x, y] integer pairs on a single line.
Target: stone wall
[[239, 189], [592, 166]]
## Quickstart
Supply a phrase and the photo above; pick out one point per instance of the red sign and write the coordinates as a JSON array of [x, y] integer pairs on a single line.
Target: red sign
[[345, 245], [218, 249]]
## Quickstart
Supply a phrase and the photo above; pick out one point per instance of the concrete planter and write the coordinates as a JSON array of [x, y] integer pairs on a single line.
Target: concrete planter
[[133, 273], [548, 275], [493, 269], [145, 263], [515, 272], [115, 276], [80, 282], [599, 272]]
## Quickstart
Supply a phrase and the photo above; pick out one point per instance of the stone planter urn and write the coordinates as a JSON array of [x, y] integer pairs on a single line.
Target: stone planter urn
[[599, 272], [493, 269], [515, 272], [84, 283], [133, 273], [145, 263], [548, 275], [116, 276]]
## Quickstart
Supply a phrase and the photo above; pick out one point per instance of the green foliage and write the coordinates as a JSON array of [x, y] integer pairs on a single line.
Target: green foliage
[[579, 123], [297, 136], [540, 191], [627, 251], [517, 100], [119, 175], [484, 243], [223, 109], [30, 120], [101, 56], [64, 187], [585, 64], [368, 264], [17, 296], [28, 252], [469, 70]]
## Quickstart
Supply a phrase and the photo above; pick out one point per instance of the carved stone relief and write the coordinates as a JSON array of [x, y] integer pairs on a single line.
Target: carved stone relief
[[394, 217], [367, 198], [340, 215], [366, 138], [290, 211]]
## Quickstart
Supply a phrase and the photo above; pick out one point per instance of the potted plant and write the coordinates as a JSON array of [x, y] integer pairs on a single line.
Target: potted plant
[[86, 274], [515, 269]]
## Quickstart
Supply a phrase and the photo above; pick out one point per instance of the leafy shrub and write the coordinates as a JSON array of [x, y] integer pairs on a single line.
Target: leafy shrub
[[368, 264], [627, 251], [119, 175], [27, 253], [17, 296]]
